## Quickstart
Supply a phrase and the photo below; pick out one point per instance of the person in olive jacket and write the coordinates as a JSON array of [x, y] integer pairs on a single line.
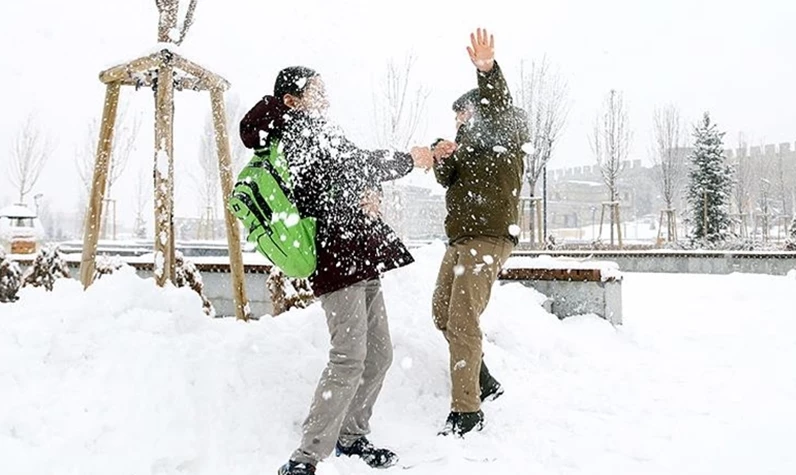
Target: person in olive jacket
[[482, 172]]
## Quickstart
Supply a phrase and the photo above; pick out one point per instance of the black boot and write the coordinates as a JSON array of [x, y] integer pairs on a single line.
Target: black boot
[[490, 387], [373, 456], [460, 423], [295, 468]]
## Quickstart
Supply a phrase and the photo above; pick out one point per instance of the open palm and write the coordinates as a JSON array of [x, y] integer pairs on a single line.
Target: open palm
[[482, 50]]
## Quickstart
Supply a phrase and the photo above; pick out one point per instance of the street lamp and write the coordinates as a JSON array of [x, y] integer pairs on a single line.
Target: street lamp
[[37, 200]]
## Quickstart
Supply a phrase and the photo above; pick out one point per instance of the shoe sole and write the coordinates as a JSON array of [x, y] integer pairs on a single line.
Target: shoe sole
[[494, 395]]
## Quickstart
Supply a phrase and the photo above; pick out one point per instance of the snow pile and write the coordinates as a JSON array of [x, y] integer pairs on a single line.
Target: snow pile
[[129, 378]]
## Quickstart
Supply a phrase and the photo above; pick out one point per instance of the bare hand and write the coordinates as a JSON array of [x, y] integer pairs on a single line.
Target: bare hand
[[444, 149], [370, 201], [482, 51], [423, 157]]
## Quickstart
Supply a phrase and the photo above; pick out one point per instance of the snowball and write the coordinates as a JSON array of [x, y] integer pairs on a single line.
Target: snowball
[[292, 220], [489, 260], [301, 82], [514, 230], [473, 252], [458, 270], [406, 363]]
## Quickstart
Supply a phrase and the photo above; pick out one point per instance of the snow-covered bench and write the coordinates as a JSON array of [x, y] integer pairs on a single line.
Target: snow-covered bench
[[574, 287]]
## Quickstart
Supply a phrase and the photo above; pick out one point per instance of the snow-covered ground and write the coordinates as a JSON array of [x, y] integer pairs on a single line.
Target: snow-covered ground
[[127, 378]]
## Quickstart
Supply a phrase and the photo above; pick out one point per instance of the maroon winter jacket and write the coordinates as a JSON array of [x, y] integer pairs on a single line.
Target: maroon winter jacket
[[329, 174]]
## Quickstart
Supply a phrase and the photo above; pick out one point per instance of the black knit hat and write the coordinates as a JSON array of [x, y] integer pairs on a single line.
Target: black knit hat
[[469, 98], [292, 80]]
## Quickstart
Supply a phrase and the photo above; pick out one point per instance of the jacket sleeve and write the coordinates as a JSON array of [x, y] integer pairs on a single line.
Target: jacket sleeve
[[377, 166], [445, 170], [495, 95]]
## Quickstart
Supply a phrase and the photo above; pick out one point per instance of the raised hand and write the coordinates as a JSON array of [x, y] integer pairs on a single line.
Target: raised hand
[[482, 50]]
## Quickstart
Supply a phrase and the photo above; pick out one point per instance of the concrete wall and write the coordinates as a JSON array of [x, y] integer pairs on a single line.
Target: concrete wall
[[568, 298], [218, 289]]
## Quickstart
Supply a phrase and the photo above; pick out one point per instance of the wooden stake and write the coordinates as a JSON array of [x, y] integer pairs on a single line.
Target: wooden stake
[[539, 224], [164, 174], [92, 223], [242, 311]]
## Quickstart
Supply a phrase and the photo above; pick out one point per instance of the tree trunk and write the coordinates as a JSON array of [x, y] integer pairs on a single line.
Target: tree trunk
[[167, 24]]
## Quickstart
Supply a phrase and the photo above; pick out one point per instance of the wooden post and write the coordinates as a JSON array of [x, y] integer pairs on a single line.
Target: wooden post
[[660, 229], [602, 219], [92, 223], [242, 311], [164, 174], [618, 224], [539, 222]]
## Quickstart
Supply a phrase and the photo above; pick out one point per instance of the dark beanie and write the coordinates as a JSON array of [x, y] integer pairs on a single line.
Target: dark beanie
[[470, 97], [292, 80]]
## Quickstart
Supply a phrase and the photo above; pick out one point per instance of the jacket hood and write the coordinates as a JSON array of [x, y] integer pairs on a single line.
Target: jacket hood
[[264, 122]]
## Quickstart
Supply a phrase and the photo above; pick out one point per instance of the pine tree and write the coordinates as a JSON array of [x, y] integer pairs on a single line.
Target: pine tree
[[791, 243], [710, 184]]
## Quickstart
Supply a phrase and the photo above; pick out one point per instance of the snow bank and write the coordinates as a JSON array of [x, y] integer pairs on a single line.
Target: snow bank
[[128, 378]]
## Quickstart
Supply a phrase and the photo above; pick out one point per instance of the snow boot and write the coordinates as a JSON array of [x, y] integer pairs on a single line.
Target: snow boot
[[490, 387], [460, 423], [373, 456], [295, 468]]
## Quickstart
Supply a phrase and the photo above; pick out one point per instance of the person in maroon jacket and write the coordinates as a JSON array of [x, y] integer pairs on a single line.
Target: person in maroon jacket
[[338, 184]]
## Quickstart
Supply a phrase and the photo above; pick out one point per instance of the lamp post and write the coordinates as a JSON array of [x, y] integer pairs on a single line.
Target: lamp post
[[37, 201]]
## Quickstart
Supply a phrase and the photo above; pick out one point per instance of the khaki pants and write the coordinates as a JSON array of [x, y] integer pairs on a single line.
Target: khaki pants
[[360, 356], [464, 285]]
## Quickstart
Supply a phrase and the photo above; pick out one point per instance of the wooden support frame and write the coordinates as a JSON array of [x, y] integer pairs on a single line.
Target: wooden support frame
[[613, 210], [164, 71], [98, 185], [670, 217]]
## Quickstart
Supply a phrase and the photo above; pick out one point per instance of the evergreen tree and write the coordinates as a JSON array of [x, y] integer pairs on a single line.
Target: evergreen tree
[[710, 184], [790, 245]]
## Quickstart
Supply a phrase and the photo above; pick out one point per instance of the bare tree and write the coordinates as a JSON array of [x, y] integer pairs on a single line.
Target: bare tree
[[399, 108], [169, 31], [206, 178], [542, 94], [143, 192], [744, 186], [610, 144], [669, 159], [29, 153], [235, 112], [125, 137]]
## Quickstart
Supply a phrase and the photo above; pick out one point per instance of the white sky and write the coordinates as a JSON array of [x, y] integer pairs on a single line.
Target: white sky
[[732, 58]]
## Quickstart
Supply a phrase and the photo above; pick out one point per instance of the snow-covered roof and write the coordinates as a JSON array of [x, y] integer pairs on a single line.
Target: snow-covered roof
[[17, 211]]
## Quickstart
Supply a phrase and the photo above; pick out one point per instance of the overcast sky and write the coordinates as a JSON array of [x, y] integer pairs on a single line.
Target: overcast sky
[[734, 59]]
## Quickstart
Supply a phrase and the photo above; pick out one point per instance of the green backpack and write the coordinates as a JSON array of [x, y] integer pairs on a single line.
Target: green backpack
[[263, 200]]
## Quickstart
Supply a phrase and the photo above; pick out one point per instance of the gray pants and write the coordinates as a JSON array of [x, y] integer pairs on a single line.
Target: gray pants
[[360, 356]]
